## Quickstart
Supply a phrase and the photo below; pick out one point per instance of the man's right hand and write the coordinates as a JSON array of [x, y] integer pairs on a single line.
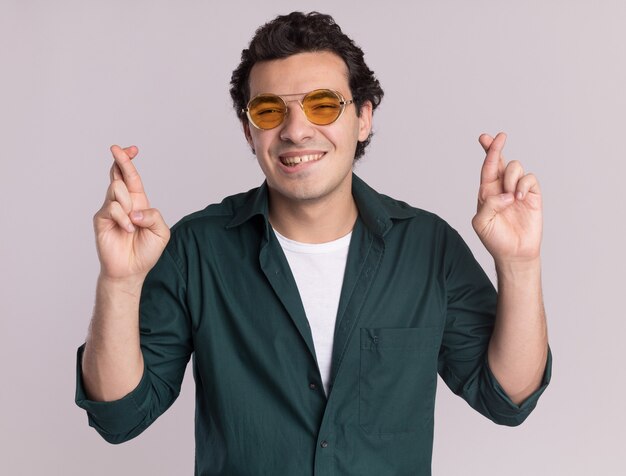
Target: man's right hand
[[130, 236]]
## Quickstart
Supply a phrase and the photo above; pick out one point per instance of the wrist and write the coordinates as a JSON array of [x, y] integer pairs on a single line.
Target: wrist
[[130, 285], [518, 268]]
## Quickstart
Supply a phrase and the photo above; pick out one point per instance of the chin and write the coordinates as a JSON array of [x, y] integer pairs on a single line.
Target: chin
[[301, 192]]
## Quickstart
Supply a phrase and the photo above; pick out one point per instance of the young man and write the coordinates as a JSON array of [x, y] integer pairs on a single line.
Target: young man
[[318, 311]]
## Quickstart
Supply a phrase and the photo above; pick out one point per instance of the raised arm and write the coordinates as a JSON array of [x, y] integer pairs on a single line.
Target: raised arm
[[509, 224], [130, 237]]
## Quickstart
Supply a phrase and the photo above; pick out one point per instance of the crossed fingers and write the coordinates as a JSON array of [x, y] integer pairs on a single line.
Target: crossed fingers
[[124, 169], [497, 177], [125, 192]]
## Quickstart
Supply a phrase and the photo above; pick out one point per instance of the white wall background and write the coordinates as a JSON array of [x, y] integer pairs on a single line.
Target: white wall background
[[77, 76]]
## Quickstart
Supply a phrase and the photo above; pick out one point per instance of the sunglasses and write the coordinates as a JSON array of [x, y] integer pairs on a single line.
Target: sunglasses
[[321, 107]]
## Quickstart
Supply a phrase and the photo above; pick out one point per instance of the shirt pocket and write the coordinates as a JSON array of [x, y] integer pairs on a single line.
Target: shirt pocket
[[397, 378]]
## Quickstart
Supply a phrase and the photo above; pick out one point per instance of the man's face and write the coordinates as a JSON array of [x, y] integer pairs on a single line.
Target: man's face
[[325, 153]]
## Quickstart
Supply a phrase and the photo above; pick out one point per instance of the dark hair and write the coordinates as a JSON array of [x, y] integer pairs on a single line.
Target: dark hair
[[298, 32]]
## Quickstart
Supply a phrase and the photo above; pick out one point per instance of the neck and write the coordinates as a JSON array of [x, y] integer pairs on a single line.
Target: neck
[[313, 221]]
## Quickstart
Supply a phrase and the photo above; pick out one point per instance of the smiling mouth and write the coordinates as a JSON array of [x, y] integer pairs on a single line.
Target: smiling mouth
[[300, 159]]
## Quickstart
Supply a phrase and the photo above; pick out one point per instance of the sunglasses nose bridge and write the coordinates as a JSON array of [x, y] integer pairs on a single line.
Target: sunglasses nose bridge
[[288, 109], [299, 101]]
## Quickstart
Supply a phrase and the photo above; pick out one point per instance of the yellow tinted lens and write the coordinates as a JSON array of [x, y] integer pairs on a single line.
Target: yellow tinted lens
[[322, 106], [267, 111]]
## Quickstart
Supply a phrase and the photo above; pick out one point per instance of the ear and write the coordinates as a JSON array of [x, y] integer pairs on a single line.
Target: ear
[[365, 120], [246, 132]]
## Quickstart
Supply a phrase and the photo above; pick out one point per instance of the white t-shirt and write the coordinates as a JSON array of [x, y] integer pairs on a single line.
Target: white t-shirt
[[318, 270]]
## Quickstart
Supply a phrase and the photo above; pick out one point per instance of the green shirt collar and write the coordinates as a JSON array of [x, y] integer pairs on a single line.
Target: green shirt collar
[[376, 210]]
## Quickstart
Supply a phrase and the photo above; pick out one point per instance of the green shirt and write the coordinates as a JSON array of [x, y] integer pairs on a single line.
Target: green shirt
[[414, 303]]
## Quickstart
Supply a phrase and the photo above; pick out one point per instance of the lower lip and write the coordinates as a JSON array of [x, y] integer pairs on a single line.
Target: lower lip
[[299, 167]]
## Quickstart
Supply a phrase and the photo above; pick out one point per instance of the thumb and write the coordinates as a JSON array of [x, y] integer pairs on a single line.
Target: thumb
[[151, 219]]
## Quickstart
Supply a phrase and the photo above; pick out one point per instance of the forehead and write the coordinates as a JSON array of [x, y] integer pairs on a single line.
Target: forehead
[[300, 73]]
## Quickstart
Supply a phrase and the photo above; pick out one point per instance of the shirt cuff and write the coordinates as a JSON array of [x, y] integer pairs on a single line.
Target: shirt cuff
[[502, 408], [119, 420]]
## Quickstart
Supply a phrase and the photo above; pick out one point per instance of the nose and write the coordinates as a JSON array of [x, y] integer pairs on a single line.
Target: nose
[[296, 128]]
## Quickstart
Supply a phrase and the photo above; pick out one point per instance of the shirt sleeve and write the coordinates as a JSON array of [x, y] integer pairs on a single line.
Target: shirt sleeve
[[166, 345], [470, 317]]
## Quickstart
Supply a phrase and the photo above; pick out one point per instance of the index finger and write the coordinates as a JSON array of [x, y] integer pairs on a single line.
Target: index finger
[[494, 161], [127, 169]]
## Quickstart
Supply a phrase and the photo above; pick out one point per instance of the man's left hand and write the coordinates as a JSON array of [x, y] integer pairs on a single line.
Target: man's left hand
[[509, 216]]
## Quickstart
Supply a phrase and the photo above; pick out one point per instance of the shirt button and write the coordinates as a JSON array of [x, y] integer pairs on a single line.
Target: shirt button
[[312, 386], [324, 444]]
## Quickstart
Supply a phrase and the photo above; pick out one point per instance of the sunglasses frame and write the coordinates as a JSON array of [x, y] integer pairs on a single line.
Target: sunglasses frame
[[343, 102]]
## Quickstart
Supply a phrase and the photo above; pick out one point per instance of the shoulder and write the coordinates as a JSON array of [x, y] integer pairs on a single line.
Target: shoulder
[[203, 231], [410, 224], [207, 233], [215, 215], [384, 213], [409, 216], [424, 234], [399, 209]]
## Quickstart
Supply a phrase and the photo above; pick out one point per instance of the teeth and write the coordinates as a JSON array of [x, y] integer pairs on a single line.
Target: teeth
[[300, 159]]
